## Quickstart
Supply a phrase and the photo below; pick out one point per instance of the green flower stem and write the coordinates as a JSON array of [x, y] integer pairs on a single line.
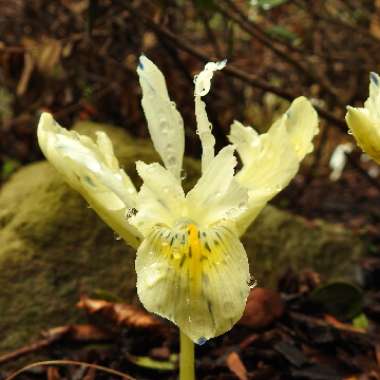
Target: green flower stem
[[186, 358]]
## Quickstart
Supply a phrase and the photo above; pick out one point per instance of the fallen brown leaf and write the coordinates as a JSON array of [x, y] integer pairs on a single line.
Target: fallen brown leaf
[[263, 307], [119, 313], [236, 366]]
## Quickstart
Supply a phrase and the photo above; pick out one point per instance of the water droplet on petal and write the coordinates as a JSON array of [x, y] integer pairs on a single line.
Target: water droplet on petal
[[171, 160], [117, 237], [177, 255], [201, 341], [130, 212], [349, 132], [252, 282]]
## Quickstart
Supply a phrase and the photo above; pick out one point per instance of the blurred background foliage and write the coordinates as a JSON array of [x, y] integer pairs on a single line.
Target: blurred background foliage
[[77, 59]]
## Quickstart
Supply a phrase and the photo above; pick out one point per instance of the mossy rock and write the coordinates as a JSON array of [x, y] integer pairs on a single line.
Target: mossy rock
[[54, 248]]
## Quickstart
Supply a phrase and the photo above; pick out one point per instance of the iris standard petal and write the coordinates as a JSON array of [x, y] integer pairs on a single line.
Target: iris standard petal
[[246, 140], [92, 170], [202, 83], [161, 198], [365, 130], [302, 125], [164, 121], [372, 104], [217, 195], [197, 278], [273, 164], [364, 123]]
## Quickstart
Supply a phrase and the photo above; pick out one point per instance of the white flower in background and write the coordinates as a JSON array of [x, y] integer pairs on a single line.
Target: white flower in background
[[364, 123], [338, 160], [191, 266]]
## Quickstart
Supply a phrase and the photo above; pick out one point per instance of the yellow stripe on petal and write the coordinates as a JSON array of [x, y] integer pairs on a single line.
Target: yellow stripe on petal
[[197, 278]]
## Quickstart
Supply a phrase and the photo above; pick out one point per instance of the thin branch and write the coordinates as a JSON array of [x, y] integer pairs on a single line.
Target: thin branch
[[230, 69]]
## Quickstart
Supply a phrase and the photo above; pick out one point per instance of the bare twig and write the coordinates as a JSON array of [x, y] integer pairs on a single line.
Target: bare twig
[[231, 69]]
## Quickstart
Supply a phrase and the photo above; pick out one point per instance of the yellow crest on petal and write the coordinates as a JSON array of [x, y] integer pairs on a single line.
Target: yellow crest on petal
[[197, 278]]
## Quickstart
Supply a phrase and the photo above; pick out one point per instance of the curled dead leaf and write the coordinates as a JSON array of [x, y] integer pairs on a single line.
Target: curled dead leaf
[[121, 314]]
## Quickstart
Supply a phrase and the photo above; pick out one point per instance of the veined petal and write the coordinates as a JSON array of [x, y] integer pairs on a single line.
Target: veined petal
[[202, 87], [93, 170], [197, 278], [270, 160], [161, 198], [216, 195], [164, 121]]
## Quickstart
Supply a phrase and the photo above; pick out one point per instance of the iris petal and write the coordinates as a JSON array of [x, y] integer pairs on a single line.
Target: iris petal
[[271, 160], [164, 121], [91, 169], [217, 192], [197, 278], [202, 83], [364, 123], [161, 198]]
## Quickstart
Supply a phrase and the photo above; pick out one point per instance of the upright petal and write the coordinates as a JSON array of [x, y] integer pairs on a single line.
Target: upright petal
[[197, 278], [202, 83], [217, 195], [161, 199], [246, 140], [364, 123], [91, 169], [302, 126], [164, 121], [270, 160]]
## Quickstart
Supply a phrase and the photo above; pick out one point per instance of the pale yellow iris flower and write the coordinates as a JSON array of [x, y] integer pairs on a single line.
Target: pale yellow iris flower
[[364, 122], [191, 266]]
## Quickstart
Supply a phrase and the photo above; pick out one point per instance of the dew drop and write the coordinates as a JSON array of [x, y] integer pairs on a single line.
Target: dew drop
[[189, 319], [118, 237], [171, 160], [349, 132], [130, 212], [183, 174], [252, 282], [201, 341], [177, 255]]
